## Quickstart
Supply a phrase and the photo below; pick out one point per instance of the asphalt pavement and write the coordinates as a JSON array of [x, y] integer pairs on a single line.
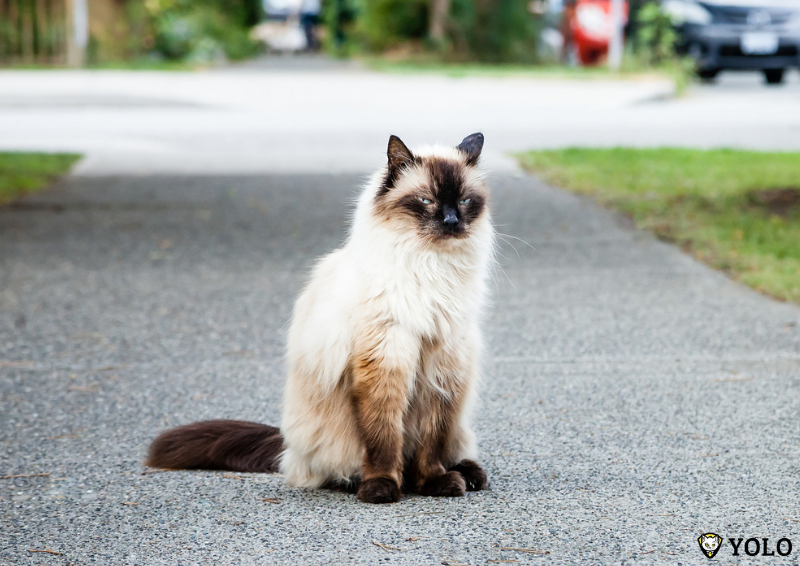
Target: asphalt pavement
[[633, 398], [317, 117]]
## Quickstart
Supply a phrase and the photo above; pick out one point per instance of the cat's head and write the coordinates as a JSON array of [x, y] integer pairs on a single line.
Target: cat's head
[[437, 193], [710, 541]]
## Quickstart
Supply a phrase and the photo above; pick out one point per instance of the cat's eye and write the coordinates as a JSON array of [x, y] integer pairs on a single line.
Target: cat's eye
[[465, 201], [424, 200]]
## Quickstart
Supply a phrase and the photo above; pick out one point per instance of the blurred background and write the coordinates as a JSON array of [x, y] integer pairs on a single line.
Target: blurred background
[[209, 87], [712, 35], [170, 169]]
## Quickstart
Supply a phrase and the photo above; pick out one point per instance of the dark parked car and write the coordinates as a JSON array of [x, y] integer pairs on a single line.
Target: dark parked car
[[739, 35]]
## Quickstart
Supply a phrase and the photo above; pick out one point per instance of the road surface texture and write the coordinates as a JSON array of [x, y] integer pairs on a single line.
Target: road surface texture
[[633, 398], [301, 119]]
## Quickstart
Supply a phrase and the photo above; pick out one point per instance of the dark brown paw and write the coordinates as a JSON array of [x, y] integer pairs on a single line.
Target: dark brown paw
[[379, 490], [473, 475], [350, 486], [450, 484]]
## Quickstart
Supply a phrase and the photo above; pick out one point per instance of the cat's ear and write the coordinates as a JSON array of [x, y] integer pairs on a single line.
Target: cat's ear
[[399, 156], [471, 146]]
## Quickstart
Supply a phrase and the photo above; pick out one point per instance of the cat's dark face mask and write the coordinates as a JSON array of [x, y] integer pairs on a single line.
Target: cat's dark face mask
[[440, 196]]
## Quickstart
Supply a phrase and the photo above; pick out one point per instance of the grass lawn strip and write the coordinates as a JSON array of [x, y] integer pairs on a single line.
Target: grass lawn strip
[[558, 72], [22, 173], [738, 211]]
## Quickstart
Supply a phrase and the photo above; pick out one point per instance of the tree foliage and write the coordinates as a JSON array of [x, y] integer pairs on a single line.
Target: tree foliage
[[199, 31], [386, 23], [494, 31], [498, 31]]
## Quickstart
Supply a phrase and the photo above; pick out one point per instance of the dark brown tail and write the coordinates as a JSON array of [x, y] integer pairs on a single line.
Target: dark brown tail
[[239, 446]]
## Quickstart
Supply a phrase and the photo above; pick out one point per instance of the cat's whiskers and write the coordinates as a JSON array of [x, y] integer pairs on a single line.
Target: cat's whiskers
[[516, 238]]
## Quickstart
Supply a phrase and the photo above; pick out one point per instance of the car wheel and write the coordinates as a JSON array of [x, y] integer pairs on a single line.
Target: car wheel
[[707, 74], [773, 76]]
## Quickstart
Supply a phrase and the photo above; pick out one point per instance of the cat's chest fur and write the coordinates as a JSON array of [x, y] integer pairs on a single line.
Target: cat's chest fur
[[430, 295]]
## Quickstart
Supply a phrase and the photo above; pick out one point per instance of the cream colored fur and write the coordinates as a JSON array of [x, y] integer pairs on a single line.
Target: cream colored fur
[[419, 293]]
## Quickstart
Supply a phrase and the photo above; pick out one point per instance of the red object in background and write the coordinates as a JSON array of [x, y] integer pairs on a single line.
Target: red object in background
[[590, 29]]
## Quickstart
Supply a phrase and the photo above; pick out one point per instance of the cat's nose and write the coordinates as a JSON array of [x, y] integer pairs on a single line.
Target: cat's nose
[[450, 218]]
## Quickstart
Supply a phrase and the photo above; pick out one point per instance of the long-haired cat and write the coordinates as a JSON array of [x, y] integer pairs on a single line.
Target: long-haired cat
[[384, 345]]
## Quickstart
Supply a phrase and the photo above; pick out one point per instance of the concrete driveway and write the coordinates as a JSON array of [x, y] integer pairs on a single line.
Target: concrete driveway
[[337, 118], [633, 398]]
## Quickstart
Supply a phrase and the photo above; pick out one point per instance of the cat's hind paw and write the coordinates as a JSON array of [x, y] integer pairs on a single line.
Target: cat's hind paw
[[473, 475]]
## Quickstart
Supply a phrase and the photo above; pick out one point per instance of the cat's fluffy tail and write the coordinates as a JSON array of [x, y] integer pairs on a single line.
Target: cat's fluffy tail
[[238, 446]]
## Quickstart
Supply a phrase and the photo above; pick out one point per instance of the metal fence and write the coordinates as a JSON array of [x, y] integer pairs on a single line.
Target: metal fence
[[34, 31]]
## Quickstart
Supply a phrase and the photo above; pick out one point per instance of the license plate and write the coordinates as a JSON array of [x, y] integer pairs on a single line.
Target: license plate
[[759, 43]]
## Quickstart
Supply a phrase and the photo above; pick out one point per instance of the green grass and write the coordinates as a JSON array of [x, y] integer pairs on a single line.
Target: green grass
[[145, 64], [138, 64], [739, 211], [418, 65], [22, 173], [679, 72]]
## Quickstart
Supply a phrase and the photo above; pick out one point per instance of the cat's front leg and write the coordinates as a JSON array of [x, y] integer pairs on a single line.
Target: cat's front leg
[[379, 386], [427, 474]]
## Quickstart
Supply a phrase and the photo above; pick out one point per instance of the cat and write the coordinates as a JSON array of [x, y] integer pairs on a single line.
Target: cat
[[383, 348]]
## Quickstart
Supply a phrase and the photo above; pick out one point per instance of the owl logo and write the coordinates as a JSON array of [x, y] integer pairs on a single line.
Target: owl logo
[[710, 544]]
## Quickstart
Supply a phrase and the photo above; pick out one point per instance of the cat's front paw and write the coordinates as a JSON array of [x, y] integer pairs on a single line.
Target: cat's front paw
[[473, 475], [450, 484], [379, 490]]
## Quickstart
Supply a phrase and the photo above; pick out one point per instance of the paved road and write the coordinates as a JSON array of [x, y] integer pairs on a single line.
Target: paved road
[[633, 398], [318, 118]]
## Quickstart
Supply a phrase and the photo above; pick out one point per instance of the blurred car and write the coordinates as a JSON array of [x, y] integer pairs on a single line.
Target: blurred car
[[588, 29], [739, 35]]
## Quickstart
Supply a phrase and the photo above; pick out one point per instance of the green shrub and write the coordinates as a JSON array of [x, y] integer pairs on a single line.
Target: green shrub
[[386, 23], [655, 35], [497, 31], [655, 46], [201, 31], [338, 17], [493, 31]]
